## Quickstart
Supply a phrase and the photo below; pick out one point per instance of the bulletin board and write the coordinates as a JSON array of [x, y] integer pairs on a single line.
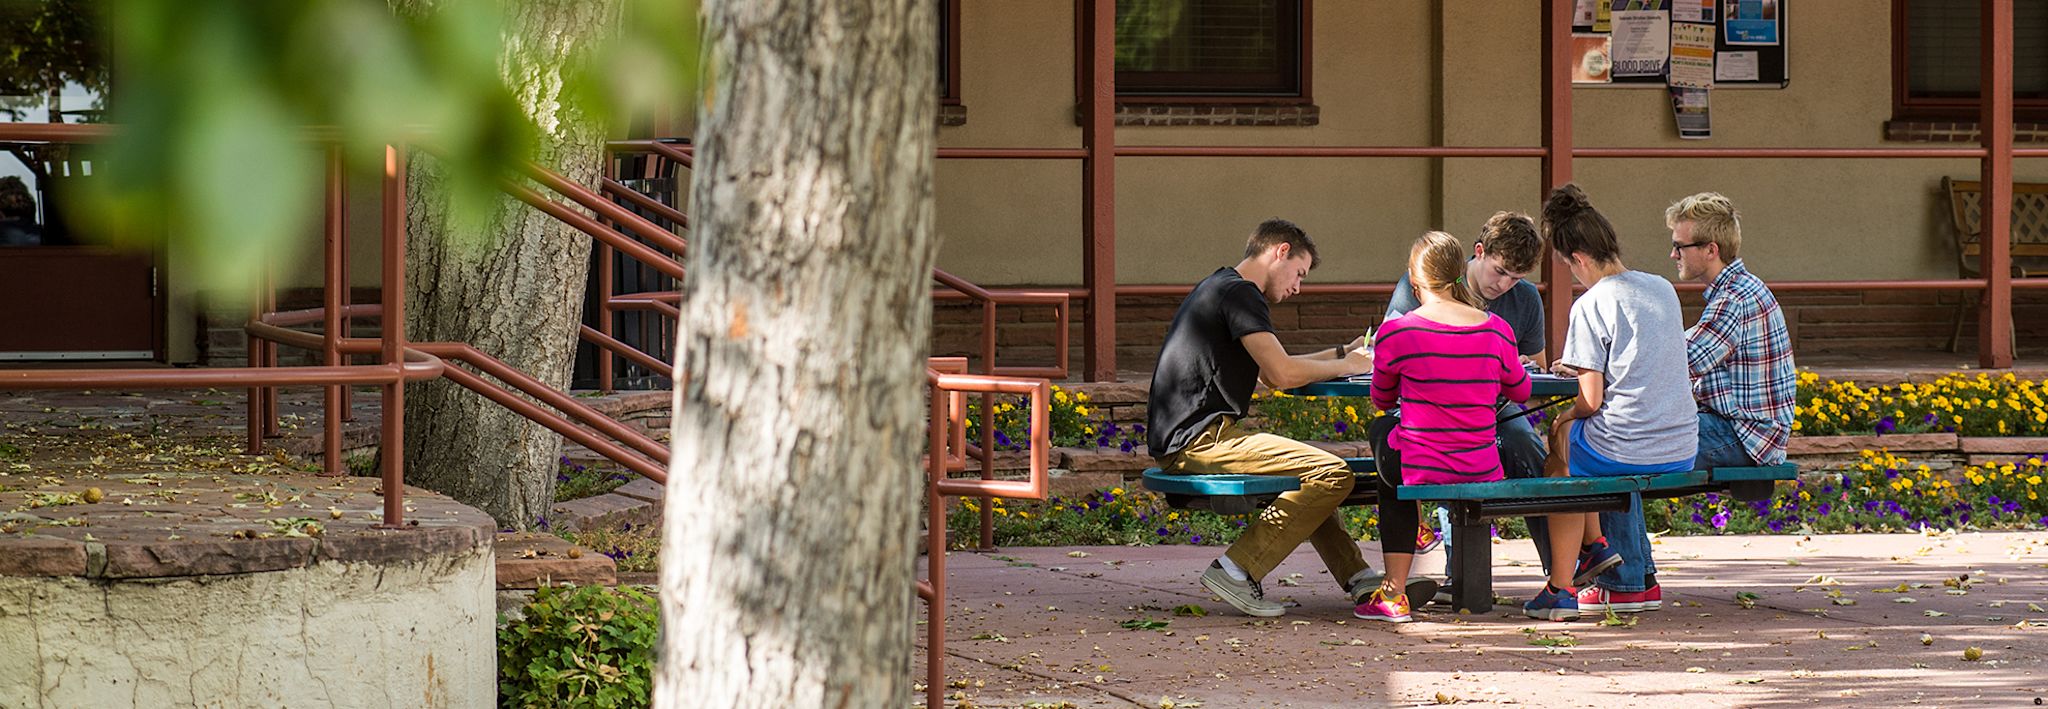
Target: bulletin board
[[1749, 41]]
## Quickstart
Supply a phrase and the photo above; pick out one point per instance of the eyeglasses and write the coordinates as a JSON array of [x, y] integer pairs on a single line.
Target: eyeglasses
[[1677, 247]]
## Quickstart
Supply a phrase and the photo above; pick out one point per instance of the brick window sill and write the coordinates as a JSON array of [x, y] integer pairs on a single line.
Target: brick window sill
[[1135, 113], [1918, 131]]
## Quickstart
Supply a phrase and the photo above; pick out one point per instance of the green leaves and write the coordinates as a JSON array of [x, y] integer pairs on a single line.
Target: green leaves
[[1143, 624], [227, 107], [587, 646]]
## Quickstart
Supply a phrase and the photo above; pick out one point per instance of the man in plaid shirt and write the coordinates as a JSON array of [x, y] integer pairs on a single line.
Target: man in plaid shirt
[[1739, 352]]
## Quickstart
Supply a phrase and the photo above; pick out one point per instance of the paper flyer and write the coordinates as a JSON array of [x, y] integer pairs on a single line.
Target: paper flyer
[[1693, 11], [1642, 42], [1590, 59], [1692, 55], [1602, 17], [1583, 12], [1735, 66], [1753, 22], [1689, 108]]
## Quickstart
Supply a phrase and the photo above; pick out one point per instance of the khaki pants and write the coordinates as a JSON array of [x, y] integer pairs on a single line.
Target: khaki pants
[[1309, 513]]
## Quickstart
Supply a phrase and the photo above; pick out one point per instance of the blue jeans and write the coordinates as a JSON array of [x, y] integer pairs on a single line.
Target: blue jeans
[[1718, 444], [1522, 451], [1626, 532]]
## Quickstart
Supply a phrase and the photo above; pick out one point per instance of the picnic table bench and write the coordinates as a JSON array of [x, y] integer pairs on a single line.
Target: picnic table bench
[[1472, 506]]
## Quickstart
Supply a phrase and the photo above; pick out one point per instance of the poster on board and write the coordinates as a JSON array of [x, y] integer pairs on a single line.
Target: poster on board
[[1751, 22], [1642, 42], [1692, 55], [1591, 60], [1689, 109]]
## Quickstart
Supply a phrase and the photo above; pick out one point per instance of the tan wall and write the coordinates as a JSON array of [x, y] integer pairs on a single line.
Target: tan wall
[[1376, 65], [1005, 222]]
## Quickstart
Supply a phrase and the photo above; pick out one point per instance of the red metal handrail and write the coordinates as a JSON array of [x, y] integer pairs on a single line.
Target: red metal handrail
[[946, 390]]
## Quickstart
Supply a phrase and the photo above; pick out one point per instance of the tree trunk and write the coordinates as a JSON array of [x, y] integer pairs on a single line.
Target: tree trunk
[[788, 547], [514, 291]]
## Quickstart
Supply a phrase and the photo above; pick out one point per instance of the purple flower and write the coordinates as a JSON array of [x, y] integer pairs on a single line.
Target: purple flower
[[1137, 428], [1101, 441], [1163, 532], [1885, 425], [1824, 508], [1197, 539], [1003, 439], [1929, 418], [1091, 503], [1776, 525], [541, 522], [1720, 520], [1697, 519], [1342, 426], [1127, 446]]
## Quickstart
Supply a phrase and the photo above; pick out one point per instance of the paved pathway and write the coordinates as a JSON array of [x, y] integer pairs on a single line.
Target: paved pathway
[[1041, 625]]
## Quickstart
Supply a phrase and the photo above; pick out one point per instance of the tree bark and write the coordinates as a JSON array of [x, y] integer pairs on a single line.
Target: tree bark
[[788, 547], [514, 291]]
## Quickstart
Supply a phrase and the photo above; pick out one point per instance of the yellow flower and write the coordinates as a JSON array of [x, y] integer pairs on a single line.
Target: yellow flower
[[1059, 396], [1080, 396], [1116, 492], [1082, 410]]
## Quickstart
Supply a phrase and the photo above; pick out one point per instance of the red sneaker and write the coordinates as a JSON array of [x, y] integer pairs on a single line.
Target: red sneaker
[[1594, 599], [1653, 598]]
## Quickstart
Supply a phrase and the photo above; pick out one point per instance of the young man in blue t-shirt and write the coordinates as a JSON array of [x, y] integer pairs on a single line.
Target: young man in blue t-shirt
[[1507, 251]]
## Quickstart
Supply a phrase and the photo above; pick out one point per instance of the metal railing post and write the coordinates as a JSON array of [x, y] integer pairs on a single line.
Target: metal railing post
[[330, 295], [392, 441]]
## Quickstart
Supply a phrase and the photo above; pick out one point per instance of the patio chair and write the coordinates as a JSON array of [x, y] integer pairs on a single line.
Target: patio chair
[[2029, 235]]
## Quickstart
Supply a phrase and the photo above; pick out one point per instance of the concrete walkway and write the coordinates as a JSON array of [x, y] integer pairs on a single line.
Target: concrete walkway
[[1040, 627]]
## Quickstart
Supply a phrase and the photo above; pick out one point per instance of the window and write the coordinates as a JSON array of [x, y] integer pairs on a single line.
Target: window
[[1936, 61], [1248, 49], [949, 52]]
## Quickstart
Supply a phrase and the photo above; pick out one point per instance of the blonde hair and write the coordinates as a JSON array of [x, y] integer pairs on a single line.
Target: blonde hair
[[1713, 219], [1436, 263]]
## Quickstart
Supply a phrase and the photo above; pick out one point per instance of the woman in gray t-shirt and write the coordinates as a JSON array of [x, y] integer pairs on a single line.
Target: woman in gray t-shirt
[[1634, 414]]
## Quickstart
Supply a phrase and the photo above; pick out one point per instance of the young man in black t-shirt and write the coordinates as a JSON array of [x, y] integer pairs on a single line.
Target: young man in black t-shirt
[[1220, 345]]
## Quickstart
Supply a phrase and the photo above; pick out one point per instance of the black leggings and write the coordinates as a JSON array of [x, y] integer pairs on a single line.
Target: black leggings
[[1399, 519]]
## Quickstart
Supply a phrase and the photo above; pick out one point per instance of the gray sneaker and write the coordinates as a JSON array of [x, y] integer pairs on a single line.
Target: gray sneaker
[[1246, 595], [1363, 583]]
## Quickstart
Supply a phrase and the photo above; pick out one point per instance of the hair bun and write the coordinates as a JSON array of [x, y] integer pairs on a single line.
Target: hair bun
[[1565, 202]]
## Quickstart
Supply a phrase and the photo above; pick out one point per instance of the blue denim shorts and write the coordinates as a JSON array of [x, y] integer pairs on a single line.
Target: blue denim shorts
[[1586, 462]]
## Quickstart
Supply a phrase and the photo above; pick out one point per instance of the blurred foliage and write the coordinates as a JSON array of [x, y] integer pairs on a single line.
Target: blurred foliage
[[226, 104]]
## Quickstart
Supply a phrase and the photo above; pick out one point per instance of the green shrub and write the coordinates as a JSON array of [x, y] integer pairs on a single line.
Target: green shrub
[[587, 646]]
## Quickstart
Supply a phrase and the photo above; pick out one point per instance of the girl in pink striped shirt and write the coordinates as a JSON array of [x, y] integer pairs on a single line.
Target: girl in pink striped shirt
[[1447, 365]]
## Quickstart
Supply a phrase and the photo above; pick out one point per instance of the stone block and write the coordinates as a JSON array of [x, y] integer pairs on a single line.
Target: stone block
[[1067, 483], [2020, 446], [642, 489], [603, 512], [1096, 460], [401, 545], [189, 557], [527, 560], [43, 557], [1812, 445]]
